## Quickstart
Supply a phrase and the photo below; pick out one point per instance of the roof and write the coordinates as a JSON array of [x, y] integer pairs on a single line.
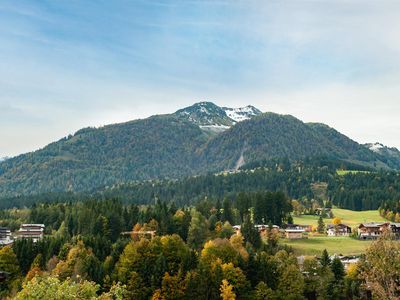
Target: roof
[[32, 225], [30, 232], [339, 225], [373, 224]]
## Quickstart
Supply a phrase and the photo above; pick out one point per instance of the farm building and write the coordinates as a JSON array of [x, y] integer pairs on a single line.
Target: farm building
[[294, 234]]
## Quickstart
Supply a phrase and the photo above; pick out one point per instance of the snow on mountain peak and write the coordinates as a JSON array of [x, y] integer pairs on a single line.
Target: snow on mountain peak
[[376, 147], [209, 116], [241, 113]]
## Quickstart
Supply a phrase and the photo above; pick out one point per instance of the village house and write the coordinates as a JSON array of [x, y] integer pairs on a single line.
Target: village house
[[294, 234], [31, 231], [372, 230], [5, 236], [338, 230]]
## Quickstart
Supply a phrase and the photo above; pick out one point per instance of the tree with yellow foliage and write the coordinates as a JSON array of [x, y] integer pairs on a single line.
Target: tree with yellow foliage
[[337, 221], [227, 291], [380, 270]]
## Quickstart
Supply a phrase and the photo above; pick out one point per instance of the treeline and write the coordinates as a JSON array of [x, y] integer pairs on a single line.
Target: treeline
[[356, 191], [365, 191]]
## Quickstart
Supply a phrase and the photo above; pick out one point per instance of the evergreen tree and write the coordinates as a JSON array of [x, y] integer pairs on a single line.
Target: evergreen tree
[[250, 233], [321, 225], [290, 219], [325, 259], [227, 211], [337, 269]]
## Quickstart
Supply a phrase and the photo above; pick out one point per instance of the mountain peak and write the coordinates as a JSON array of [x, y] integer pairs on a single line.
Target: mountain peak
[[375, 147], [210, 116]]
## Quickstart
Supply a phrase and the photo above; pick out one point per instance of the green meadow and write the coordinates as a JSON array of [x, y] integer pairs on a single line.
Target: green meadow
[[314, 245], [345, 172], [349, 217]]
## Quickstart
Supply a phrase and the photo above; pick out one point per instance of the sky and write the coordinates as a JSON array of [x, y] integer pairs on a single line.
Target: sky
[[65, 65]]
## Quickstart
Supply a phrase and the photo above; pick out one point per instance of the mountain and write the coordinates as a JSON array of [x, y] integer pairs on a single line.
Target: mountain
[[213, 118], [390, 155], [160, 146], [174, 146], [272, 135]]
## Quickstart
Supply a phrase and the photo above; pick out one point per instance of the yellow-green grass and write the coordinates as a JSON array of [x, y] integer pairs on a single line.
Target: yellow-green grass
[[334, 245], [349, 217], [345, 172]]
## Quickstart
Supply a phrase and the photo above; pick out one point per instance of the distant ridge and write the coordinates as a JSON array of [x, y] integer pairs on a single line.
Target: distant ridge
[[195, 140]]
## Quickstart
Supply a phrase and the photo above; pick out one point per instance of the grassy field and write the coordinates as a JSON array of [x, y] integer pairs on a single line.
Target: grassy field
[[314, 245], [345, 172], [349, 217], [334, 245]]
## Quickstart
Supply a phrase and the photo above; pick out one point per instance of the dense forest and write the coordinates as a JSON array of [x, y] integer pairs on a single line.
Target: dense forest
[[195, 254], [308, 181]]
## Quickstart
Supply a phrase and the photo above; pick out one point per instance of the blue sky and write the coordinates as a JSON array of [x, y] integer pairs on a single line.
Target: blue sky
[[65, 65]]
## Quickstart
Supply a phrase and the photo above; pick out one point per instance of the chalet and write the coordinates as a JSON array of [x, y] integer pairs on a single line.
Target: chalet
[[338, 230], [5, 236], [294, 234], [372, 230], [31, 231]]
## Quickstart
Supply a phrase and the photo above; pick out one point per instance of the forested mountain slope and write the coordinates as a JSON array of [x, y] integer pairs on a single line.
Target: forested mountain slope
[[160, 146], [274, 136], [174, 146]]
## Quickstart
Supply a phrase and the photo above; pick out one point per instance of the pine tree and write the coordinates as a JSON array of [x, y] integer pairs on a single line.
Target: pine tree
[[227, 211], [250, 233], [290, 219], [337, 269], [321, 225], [325, 260]]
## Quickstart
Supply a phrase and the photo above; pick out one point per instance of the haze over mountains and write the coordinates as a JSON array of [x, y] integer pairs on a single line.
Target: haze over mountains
[[195, 140]]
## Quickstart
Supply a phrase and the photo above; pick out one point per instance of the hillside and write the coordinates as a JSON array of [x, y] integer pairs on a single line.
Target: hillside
[[174, 146], [160, 146], [274, 136]]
